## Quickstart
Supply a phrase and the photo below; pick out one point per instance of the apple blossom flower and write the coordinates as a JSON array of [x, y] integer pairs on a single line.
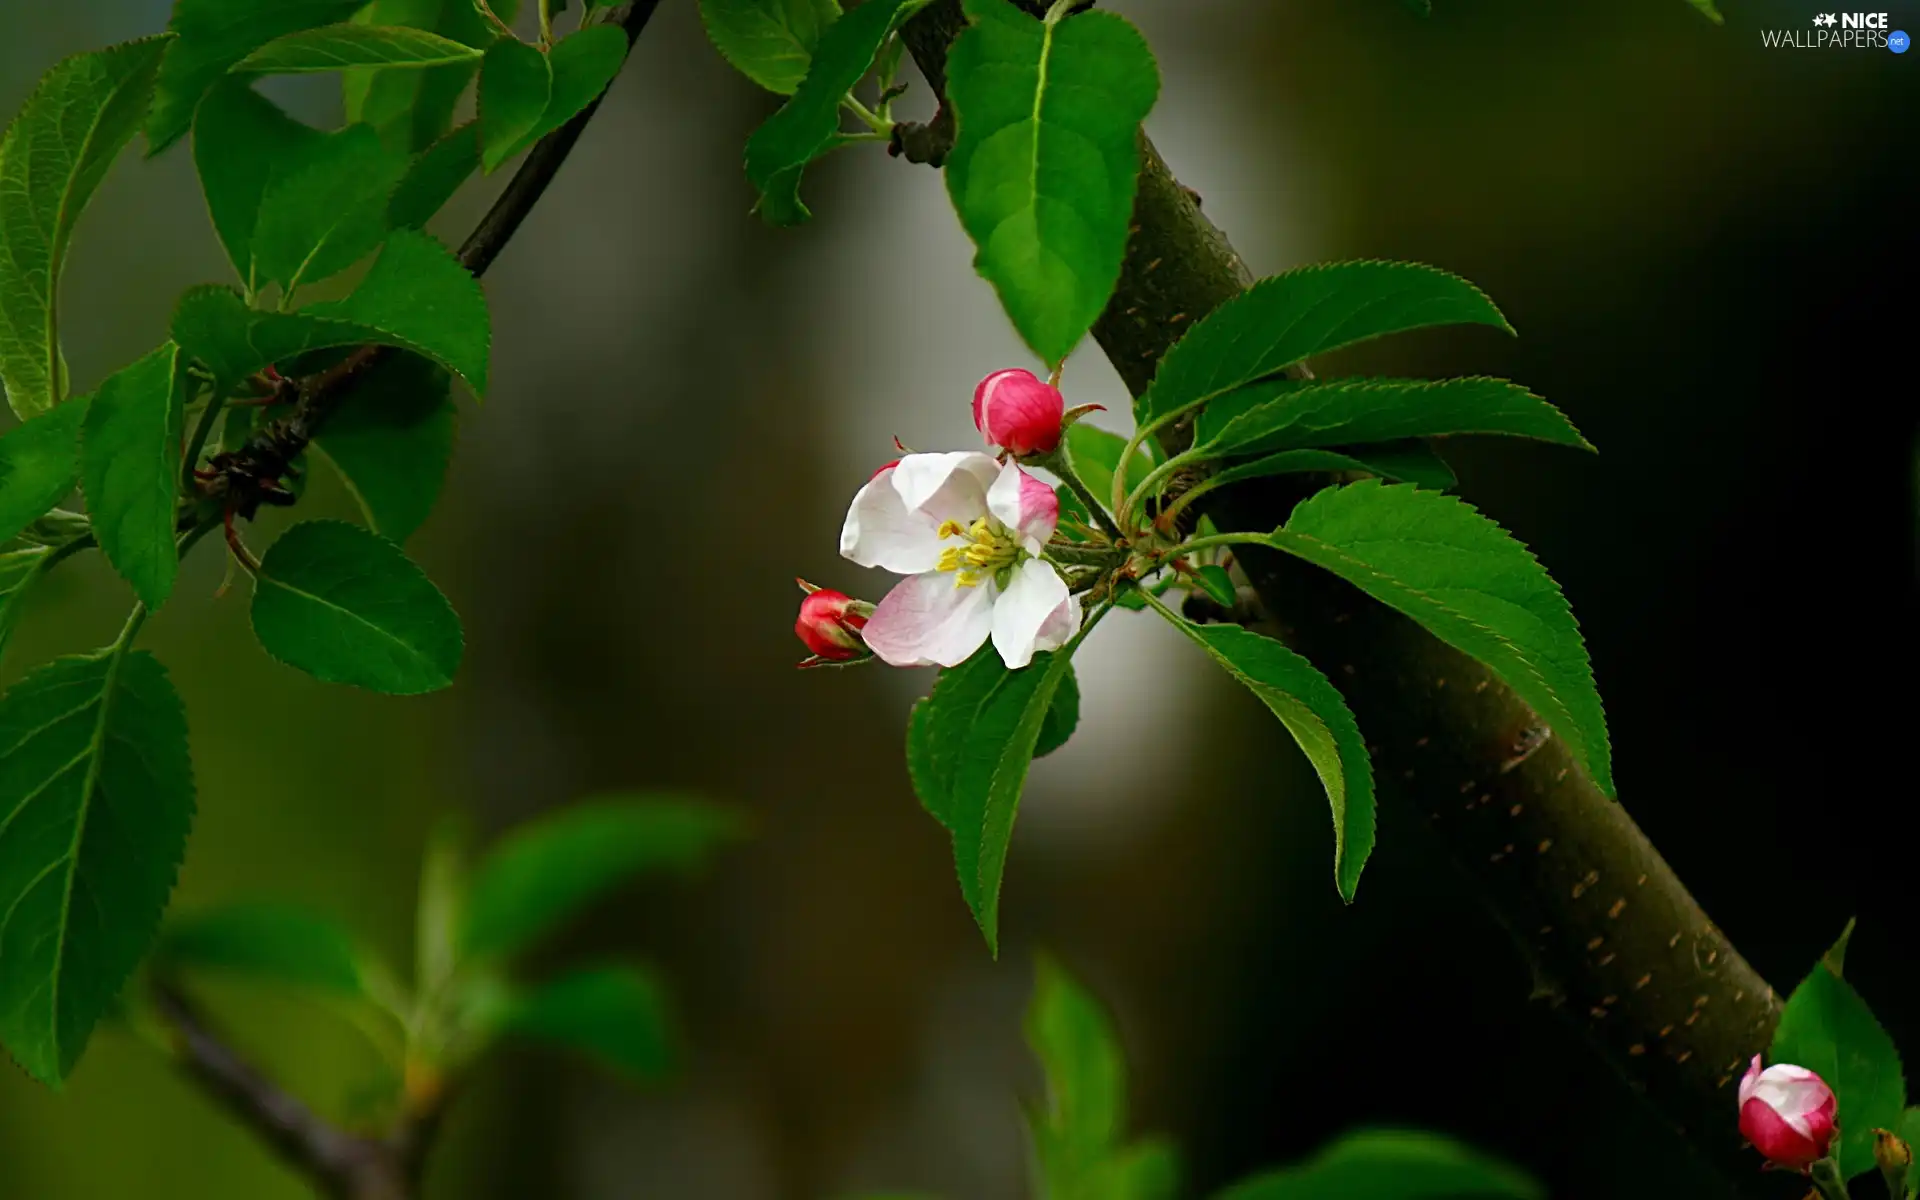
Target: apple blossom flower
[[1019, 412], [830, 623], [966, 532], [1787, 1113]]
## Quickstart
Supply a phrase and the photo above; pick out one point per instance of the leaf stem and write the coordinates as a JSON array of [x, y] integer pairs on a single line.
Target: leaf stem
[[486, 10], [872, 120], [198, 442], [1828, 1181], [546, 22]]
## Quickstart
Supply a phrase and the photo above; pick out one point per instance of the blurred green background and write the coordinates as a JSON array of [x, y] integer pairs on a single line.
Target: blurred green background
[[1707, 249]]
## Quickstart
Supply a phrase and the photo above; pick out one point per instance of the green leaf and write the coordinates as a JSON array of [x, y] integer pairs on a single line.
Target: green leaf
[[350, 44], [214, 327], [19, 571], [39, 466], [1043, 171], [1287, 414], [1409, 462], [584, 64], [1828, 1029], [418, 296], [1707, 9], [325, 209], [1085, 1114], [1472, 585], [938, 723], [1095, 455], [391, 441], [1146, 1170], [96, 796], [240, 140], [1217, 584], [413, 109], [516, 81], [808, 125], [277, 943], [970, 744], [545, 872], [769, 41], [434, 176], [347, 606], [1392, 1165], [1063, 717], [52, 158], [130, 471], [1422, 8], [1284, 319], [443, 898], [214, 35], [1317, 716], [616, 1015]]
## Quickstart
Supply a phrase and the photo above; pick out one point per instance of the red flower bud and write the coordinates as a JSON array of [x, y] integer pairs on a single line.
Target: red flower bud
[[1019, 412], [830, 624], [1787, 1113]]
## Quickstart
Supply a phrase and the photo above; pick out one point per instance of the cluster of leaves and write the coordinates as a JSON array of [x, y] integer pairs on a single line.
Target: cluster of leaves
[[96, 785], [1042, 177], [1081, 1150], [474, 920], [1827, 1028]]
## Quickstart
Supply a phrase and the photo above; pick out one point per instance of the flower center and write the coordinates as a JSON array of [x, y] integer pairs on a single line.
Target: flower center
[[988, 551]]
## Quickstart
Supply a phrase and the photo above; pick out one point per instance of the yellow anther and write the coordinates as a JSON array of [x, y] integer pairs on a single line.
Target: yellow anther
[[980, 556], [967, 579], [951, 559], [979, 531], [950, 529]]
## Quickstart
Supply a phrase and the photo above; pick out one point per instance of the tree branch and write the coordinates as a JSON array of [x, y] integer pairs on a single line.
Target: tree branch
[[344, 1165], [1616, 941]]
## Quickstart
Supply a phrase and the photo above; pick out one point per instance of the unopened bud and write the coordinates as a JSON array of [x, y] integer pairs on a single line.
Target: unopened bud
[[1787, 1112], [1019, 412], [830, 623]]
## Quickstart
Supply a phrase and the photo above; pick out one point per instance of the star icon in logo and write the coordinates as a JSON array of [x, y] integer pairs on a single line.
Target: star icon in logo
[[1827, 19]]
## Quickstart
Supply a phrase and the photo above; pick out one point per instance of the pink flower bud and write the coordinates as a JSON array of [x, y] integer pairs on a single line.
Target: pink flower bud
[[1787, 1113], [830, 624], [1017, 411]]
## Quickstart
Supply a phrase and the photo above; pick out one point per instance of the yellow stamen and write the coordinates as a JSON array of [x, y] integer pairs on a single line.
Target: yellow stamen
[[950, 529], [967, 579], [951, 559]]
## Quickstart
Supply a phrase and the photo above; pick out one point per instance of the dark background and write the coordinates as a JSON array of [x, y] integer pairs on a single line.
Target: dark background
[[1707, 248]]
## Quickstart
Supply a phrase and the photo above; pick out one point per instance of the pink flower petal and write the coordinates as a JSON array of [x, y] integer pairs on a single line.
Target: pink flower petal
[[1025, 505], [927, 620]]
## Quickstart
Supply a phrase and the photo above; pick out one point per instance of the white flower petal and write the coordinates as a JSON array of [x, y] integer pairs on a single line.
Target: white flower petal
[[1025, 505], [926, 620], [881, 532], [1029, 614], [945, 487]]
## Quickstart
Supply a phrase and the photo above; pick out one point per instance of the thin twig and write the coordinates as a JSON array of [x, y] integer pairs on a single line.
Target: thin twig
[[346, 1165]]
